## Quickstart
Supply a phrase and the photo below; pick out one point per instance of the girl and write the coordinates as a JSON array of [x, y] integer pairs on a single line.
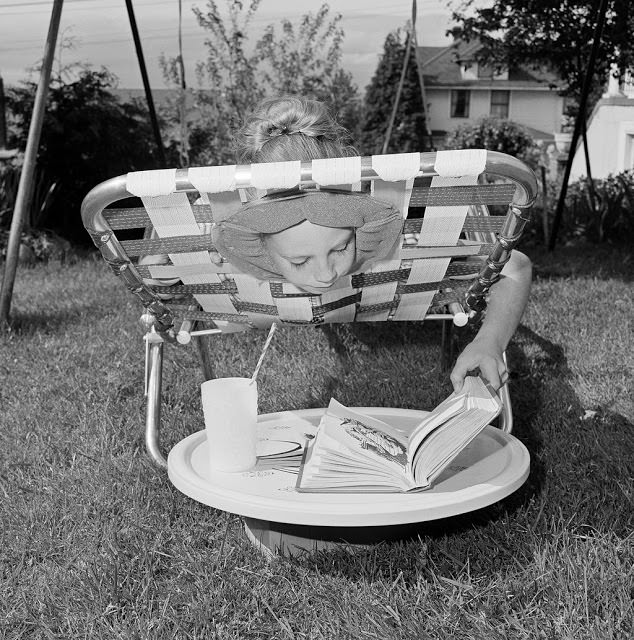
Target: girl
[[314, 256]]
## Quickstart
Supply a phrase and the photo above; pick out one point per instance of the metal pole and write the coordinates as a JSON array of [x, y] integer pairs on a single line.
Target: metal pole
[[598, 30], [25, 186], [146, 83]]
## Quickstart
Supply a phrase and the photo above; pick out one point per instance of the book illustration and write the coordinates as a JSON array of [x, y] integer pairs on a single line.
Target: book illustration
[[382, 444]]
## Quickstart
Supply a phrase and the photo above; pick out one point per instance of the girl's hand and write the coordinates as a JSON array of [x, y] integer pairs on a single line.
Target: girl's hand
[[484, 355]]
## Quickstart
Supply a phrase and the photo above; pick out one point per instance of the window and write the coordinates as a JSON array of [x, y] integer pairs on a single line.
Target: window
[[500, 103], [485, 71], [460, 103]]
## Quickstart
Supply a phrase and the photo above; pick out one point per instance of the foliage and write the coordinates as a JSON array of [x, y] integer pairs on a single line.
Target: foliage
[[45, 190], [602, 211], [408, 133], [496, 134], [554, 35], [228, 79], [88, 136], [238, 73], [306, 60], [38, 246]]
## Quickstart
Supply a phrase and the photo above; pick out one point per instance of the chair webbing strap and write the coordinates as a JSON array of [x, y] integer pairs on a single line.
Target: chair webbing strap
[[486, 194], [243, 309]]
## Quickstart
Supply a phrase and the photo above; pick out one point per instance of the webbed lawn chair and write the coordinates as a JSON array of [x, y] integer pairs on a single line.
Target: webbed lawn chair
[[448, 253]]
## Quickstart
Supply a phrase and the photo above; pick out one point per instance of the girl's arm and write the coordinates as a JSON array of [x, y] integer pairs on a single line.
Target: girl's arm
[[507, 301]]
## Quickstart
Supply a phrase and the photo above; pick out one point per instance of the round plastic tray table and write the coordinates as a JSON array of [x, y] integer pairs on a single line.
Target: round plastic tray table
[[493, 466]]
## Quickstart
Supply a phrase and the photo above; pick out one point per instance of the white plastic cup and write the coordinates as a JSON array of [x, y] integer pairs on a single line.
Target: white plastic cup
[[230, 407]]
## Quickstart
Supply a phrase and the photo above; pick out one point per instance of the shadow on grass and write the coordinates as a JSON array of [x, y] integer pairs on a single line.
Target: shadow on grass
[[29, 324], [580, 465], [584, 260]]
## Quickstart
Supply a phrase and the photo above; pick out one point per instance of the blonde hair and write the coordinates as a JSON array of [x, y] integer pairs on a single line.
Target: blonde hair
[[291, 128]]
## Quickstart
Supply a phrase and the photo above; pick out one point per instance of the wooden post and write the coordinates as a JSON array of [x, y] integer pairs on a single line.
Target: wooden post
[[421, 80], [3, 118], [397, 98], [25, 186]]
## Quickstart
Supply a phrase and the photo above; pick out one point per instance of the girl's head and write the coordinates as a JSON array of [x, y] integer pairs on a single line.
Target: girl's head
[[291, 128], [310, 238]]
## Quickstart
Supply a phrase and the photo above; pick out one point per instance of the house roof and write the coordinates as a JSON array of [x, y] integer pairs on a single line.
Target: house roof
[[441, 68]]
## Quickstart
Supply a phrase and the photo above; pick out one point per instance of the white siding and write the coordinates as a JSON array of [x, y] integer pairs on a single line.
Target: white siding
[[610, 142], [538, 109]]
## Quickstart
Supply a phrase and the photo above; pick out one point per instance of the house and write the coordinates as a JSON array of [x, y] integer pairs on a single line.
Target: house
[[610, 132], [459, 90]]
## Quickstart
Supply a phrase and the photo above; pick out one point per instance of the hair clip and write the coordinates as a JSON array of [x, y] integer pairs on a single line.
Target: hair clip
[[278, 131]]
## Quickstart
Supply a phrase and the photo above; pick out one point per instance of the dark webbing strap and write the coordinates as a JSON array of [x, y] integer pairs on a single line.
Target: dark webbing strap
[[487, 194], [442, 298], [360, 280]]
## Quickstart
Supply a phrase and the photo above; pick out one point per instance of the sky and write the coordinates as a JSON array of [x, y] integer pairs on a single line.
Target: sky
[[100, 33]]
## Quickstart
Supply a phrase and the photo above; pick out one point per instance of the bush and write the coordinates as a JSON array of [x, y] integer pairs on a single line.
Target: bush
[[88, 136], [600, 210], [496, 134]]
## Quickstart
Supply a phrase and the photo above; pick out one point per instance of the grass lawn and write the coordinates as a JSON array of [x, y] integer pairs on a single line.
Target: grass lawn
[[97, 544]]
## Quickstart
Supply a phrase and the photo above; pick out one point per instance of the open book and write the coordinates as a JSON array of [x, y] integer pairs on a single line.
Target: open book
[[352, 452]]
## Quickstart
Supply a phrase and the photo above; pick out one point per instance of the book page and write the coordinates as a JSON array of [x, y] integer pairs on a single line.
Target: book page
[[439, 446], [474, 393], [351, 449]]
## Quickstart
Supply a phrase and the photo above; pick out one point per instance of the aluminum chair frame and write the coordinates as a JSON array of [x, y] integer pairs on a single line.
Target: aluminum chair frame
[[158, 320]]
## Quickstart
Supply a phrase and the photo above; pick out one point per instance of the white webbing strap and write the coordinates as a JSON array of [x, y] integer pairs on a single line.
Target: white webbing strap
[[336, 171], [256, 291], [276, 175], [396, 193], [465, 162], [342, 289], [213, 179], [379, 293], [442, 225], [397, 166], [171, 216], [414, 306], [294, 309], [160, 182], [223, 204]]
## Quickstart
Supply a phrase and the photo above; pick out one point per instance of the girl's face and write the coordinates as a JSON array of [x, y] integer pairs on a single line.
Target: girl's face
[[312, 257]]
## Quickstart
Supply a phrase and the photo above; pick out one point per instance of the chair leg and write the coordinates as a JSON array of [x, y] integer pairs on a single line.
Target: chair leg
[[446, 344], [153, 406], [203, 344], [506, 416]]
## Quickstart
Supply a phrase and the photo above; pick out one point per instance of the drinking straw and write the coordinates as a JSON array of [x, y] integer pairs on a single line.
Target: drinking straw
[[264, 348]]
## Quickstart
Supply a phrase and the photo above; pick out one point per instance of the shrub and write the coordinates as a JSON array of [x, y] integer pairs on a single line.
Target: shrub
[[600, 210], [88, 135], [496, 134]]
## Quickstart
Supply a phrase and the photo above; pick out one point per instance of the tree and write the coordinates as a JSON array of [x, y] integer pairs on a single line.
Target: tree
[[228, 77], [238, 73], [88, 136], [408, 133], [304, 59], [553, 35]]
